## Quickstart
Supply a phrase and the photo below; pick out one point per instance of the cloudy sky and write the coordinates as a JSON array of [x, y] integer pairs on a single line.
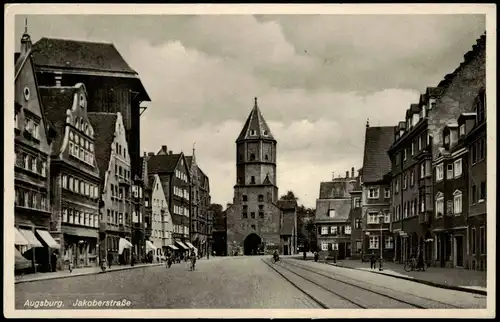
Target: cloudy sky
[[317, 79]]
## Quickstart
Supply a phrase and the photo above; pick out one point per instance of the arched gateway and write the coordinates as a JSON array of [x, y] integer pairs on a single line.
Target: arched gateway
[[252, 244]]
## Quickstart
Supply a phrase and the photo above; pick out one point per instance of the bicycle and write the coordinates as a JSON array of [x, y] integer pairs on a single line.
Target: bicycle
[[412, 265]]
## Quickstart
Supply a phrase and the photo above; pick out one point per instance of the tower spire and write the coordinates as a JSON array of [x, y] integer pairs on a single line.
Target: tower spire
[[255, 102], [26, 25], [25, 39]]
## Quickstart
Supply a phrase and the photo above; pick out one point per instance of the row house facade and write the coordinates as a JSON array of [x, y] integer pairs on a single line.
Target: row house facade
[[112, 86], [32, 144], [356, 219], [175, 178], [332, 217], [148, 197], [376, 193], [113, 160], [201, 222], [161, 219], [75, 179]]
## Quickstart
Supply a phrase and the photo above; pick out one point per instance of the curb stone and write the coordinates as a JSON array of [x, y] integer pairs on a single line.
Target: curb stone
[[83, 274], [416, 280]]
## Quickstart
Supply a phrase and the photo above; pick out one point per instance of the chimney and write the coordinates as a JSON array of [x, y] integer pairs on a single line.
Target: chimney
[[164, 148], [170, 152], [333, 176], [352, 172], [145, 154], [151, 154], [25, 40], [347, 174], [367, 122]]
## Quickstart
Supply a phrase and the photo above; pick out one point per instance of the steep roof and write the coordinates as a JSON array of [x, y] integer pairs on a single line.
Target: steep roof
[[189, 160], [65, 53], [342, 209], [104, 125], [255, 122], [163, 163], [56, 100], [376, 161], [336, 189]]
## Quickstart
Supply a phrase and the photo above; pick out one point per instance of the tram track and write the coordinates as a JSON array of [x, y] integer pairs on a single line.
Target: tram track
[[352, 295], [398, 293]]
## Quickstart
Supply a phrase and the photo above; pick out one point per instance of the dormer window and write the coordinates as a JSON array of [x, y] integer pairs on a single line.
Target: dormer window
[[252, 132], [82, 101], [462, 130], [26, 93], [447, 139], [265, 132], [432, 103], [252, 157]]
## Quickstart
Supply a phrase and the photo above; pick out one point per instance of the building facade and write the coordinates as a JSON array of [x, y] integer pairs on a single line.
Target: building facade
[[32, 143], [376, 193], [332, 217], [161, 220], [75, 179], [112, 86], [356, 219], [174, 175], [254, 220], [113, 160]]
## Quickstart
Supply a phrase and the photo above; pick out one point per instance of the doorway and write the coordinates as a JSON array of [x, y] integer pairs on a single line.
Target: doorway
[[459, 251], [251, 244], [285, 250]]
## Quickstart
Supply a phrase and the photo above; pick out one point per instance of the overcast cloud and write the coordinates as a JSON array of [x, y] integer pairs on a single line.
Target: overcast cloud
[[318, 78]]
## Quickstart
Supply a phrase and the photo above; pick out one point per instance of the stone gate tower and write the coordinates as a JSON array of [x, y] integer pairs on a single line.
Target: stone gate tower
[[254, 220]]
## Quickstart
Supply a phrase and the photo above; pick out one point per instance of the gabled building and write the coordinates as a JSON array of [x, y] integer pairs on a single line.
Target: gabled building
[[75, 179], [161, 219], [113, 160], [356, 218], [254, 219], [201, 233], [174, 175], [332, 217], [289, 226], [33, 137], [376, 192], [148, 197]]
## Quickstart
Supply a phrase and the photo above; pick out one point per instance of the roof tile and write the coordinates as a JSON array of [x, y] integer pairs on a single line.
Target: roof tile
[[376, 161]]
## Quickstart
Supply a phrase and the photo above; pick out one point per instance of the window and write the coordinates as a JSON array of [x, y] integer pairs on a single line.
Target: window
[[357, 202], [65, 181], [245, 215], [359, 246], [420, 143], [474, 194], [71, 218], [439, 204], [473, 153], [457, 202], [389, 242], [473, 241], [412, 209], [482, 240], [333, 230], [482, 148], [324, 230], [252, 132], [331, 213], [347, 230], [405, 181], [357, 223], [261, 198], [449, 171], [462, 130], [396, 188], [252, 181], [412, 148], [404, 154], [422, 170], [482, 191], [261, 214], [458, 168], [252, 157], [447, 140], [405, 210], [397, 158], [252, 214], [387, 193], [422, 204], [412, 177], [387, 217], [324, 246], [439, 172], [373, 218], [373, 193], [374, 242]]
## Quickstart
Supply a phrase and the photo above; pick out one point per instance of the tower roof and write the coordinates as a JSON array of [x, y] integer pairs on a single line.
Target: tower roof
[[255, 127]]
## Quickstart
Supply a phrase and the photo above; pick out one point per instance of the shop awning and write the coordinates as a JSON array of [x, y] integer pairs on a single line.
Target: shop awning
[[150, 246], [173, 247], [190, 245], [182, 245], [30, 237], [47, 238], [21, 262], [20, 239], [122, 244]]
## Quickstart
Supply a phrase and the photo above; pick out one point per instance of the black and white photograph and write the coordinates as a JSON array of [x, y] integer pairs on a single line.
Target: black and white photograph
[[256, 161]]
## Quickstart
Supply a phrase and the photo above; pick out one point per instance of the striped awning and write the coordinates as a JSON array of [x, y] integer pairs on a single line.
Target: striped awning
[[190, 245], [21, 262], [47, 238], [30, 237], [20, 239], [182, 245], [150, 246], [173, 247]]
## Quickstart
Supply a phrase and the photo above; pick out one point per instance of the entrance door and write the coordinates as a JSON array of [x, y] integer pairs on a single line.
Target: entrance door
[[251, 244], [459, 250], [285, 250]]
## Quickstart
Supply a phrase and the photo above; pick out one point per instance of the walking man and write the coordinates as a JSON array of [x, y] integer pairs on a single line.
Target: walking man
[[110, 259], [373, 261]]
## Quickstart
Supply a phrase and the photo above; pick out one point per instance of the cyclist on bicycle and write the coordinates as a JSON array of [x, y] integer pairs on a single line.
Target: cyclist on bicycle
[[192, 257]]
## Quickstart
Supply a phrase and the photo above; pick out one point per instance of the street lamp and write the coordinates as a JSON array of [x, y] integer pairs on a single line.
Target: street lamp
[[381, 219]]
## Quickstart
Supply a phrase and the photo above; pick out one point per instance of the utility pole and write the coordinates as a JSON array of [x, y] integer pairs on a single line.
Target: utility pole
[[381, 218]]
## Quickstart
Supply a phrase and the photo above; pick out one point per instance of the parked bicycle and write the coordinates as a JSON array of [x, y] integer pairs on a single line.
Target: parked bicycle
[[413, 265]]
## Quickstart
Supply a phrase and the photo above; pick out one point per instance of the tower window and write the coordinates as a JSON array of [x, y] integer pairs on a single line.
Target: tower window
[[252, 157], [245, 215], [261, 214], [253, 227], [261, 198], [266, 157], [252, 132], [261, 207], [265, 132], [245, 198], [252, 180], [253, 215]]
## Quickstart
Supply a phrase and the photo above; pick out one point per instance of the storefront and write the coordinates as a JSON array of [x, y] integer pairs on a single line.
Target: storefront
[[80, 246], [37, 246]]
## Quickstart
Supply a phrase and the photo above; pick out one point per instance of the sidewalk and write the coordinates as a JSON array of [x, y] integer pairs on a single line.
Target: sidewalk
[[77, 272], [450, 278]]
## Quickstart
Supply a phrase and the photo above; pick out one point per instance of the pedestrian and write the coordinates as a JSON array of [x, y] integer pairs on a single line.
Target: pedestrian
[[373, 261], [54, 261], [132, 260], [110, 259]]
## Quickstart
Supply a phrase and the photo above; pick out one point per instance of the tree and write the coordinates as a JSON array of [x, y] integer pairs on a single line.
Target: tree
[[219, 217], [289, 196]]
